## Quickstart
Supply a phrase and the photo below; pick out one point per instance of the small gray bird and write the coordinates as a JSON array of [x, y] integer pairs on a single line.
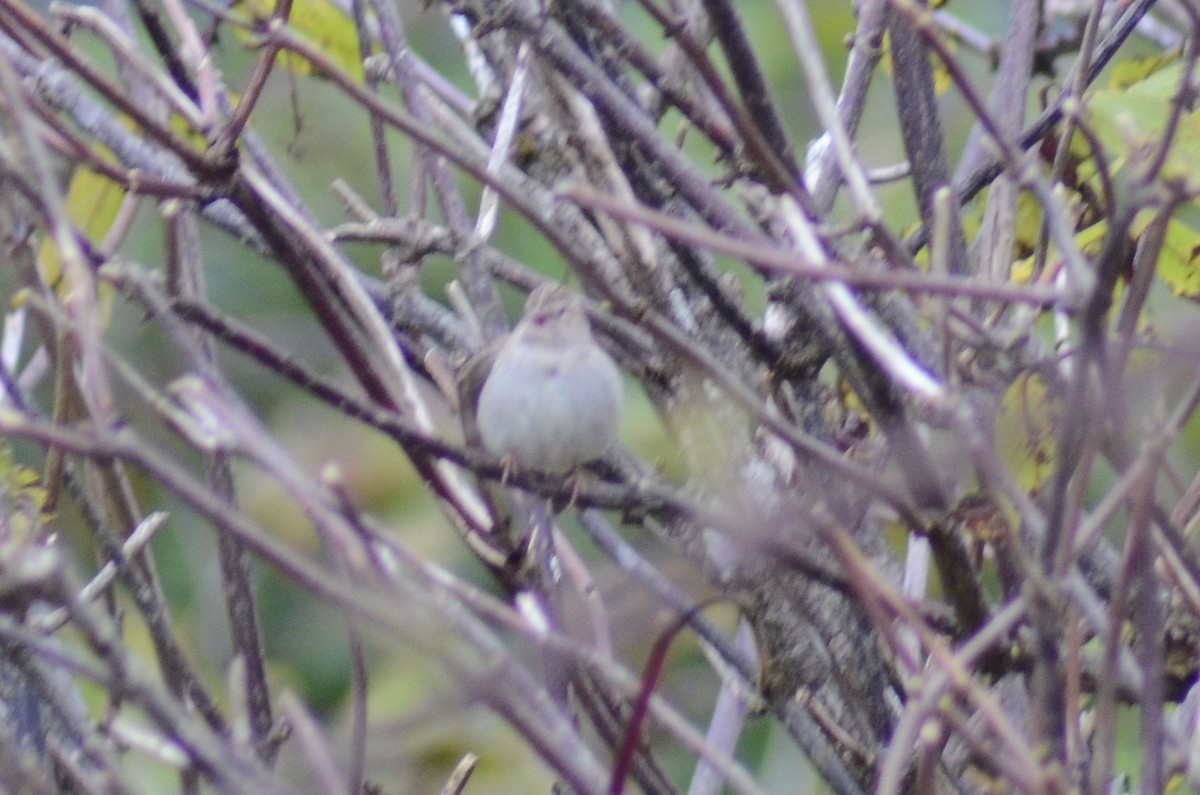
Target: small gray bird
[[553, 398]]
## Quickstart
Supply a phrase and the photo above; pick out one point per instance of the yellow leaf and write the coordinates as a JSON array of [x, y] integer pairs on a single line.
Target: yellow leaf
[[1022, 271], [1179, 261], [92, 204], [1026, 432], [1088, 240], [321, 23], [25, 503]]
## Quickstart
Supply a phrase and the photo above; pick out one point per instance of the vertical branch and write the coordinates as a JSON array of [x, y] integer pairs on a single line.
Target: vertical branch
[[920, 125], [994, 243], [185, 280], [747, 74], [860, 68], [383, 163]]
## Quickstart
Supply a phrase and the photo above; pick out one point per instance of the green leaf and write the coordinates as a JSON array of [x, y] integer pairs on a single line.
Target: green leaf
[[1130, 120], [1130, 71]]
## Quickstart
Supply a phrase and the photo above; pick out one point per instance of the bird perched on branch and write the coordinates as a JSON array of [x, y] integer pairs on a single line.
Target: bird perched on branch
[[553, 398]]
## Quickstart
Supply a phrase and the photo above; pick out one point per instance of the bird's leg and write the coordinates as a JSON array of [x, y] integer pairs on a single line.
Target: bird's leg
[[575, 479], [509, 466]]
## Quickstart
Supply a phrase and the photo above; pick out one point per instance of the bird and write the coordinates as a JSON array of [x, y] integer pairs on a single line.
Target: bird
[[553, 398]]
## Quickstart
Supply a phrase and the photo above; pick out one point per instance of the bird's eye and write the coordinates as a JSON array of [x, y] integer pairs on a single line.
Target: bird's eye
[[542, 318]]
